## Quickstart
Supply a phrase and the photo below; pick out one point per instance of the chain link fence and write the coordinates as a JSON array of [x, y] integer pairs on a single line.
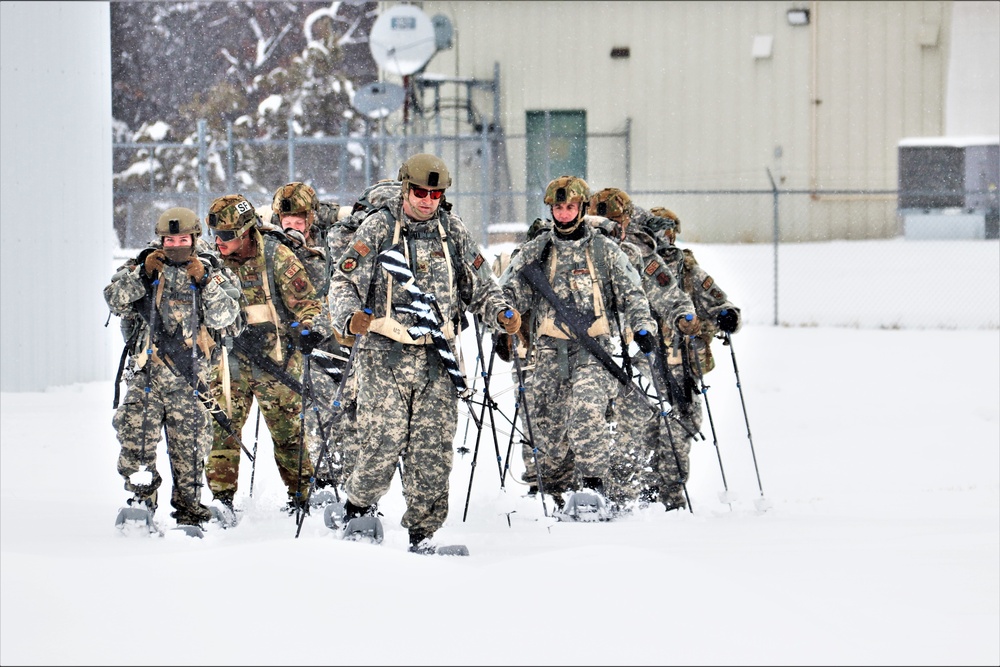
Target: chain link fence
[[848, 258]]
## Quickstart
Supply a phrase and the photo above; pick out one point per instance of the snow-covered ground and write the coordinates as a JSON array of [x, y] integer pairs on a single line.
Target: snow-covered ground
[[878, 451]]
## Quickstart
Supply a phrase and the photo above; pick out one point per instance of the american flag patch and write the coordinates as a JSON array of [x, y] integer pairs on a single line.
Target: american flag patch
[[652, 267], [478, 261], [362, 249]]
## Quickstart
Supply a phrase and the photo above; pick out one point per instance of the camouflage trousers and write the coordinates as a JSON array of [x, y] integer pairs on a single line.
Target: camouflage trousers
[[337, 426], [169, 406], [568, 397], [407, 409], [281, 408]]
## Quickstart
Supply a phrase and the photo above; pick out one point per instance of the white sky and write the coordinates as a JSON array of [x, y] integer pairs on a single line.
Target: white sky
[[877, 449]]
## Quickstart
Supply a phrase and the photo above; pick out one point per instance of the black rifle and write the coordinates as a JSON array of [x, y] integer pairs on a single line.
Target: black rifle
[[249, 345], [176, 355], [576, 322]]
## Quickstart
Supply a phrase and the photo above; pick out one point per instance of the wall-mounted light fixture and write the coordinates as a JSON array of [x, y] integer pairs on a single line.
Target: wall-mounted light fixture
[[620, 52], [798, 17]]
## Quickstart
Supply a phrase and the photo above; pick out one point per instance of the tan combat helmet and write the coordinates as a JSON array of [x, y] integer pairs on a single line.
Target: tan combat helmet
[[613, 204], [671, 230], [296, 198], [568, 189], [178, 220], [424, 171], [231, 216]]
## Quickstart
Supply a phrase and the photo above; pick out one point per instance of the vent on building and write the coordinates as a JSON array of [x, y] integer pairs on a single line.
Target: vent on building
[[620, 52]]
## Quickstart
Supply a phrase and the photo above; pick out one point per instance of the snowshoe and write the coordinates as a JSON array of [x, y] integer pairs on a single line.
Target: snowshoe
[[223, 515], [584, 506], [138, 512], [191, 530], [333, 515], [425, 548], [367, 528], [322, 497]]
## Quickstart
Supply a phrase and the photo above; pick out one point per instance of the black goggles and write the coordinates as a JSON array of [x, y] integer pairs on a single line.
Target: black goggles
[[224, 235]]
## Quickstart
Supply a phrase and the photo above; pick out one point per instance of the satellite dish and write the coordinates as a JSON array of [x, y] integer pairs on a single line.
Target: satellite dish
[[378, 99], [443, 32], [402, 40]]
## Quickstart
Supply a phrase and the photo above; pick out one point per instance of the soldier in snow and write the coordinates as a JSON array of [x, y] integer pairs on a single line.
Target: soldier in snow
[[265, 362], [570, 388], [170, 298], [407, 392]]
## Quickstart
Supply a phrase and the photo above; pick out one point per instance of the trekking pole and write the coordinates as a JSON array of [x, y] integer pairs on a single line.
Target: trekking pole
[[195, 330], [522, 396], [708, 408], [336, 403], [729, 341], [465, 436], [653, 371], [256, 434], [487, 402]]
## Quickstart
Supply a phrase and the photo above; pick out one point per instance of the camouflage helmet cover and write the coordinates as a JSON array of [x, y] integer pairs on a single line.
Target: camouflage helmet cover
[[425, 171], [567, 189], [666, 213], [614, 204], [178, 220], [231, 213], [296, 198]]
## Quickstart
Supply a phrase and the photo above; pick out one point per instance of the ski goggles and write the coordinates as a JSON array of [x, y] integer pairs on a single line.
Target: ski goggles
[[422, 192], [225, 235]]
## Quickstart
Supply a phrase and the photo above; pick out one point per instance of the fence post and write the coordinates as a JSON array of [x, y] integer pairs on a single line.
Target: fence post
[[202, 168], [628, 154], [291, 150], [774, 189], [229, 156]]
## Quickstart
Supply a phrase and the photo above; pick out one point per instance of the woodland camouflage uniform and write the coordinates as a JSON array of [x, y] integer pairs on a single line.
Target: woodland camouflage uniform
[[281, 406]]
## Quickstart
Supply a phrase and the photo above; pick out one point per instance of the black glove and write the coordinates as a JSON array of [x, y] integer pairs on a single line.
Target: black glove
[[728, 320], [645, 341], [309, 340]]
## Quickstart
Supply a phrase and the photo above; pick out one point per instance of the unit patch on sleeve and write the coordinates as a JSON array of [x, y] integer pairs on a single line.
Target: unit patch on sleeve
[[348, 265], [708, 283], [291, 271], [663, 278], [362, 249], [478, 261], [652, 267], [299, 284]]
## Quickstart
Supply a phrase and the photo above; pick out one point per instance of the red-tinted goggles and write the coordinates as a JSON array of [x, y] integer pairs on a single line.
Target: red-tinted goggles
[[421, 192]]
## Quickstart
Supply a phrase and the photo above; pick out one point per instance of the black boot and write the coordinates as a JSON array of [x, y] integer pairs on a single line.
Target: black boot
[[594, 484]]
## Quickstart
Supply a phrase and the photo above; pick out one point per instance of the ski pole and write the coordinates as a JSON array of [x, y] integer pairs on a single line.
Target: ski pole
[[522, 396], [729, 341], [708, 408], [654, 373], [256, 434], [487, 402]]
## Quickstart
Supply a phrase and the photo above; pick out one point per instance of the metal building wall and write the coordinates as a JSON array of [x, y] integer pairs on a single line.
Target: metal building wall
[[57, 237], [824, 110]]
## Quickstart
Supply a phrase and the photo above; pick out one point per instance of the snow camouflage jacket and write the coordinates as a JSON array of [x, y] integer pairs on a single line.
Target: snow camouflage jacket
[[619, 283], [276, 293], [219, 307], [453, 269]]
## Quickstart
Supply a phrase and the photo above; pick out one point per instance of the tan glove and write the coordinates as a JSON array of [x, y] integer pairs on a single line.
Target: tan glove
[[688, 327], [359, 323], [510, 324], [196, 271], [155, 261]]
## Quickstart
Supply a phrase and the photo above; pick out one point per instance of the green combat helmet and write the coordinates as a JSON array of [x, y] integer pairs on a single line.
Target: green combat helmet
[[231, 216], [296, 198], [424, 170], [613, 204]]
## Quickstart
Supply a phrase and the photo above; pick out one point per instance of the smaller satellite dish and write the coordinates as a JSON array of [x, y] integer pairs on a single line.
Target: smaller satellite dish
[[443, 32], [402, 40], [378, 99]]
